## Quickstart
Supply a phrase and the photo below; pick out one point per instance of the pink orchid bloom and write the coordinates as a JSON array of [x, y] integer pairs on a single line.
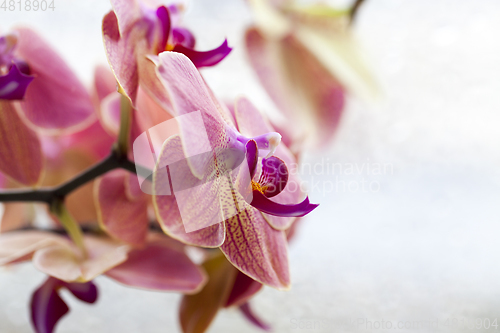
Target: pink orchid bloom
[[138, 267], [38, 93], [306, 58], [138, 30], [252, 238]]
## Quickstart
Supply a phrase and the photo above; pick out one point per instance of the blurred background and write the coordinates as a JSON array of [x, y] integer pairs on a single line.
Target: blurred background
[[409, 223]]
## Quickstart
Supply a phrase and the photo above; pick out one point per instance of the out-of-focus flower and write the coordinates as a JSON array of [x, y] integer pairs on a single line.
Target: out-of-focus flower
[[159, 265], [306, 57], [38, 93], [138, 30], [47, 306], [252, 241]]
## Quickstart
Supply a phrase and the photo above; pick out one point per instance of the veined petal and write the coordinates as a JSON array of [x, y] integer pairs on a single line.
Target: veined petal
[[190, 94], [13, 85], [64, 262], [252, 317], [121, 217], [206, 58], [252, 123], [262, 203], [120, 51], [197, 311], [151, 84], [256, 249], [166, 205], [162, 265], [56, 99], [20, 152], [243, 289]]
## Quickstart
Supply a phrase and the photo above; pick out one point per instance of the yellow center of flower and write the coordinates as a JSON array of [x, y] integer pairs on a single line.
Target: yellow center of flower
[[258, 187]]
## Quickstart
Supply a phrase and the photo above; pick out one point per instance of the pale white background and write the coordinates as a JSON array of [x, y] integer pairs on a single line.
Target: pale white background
[[423, 247]]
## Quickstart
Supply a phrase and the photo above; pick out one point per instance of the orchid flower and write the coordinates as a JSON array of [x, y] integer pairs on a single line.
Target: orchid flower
[[306, 58], [38, 93], [135, 32], [47, 306], [252, 236]]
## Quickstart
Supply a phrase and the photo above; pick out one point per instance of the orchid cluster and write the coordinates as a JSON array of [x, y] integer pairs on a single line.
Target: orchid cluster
[[69, 154]]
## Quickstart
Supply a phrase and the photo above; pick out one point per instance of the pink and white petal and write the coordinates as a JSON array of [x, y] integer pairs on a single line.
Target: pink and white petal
[[110, 113], [56, 99], [256, 249], [20, 152], [150, 82], [167, 209], [251, 123], [150, 113], [66, 263], [163, 266], [189, 94], [104, 82], [120, 217], [21, 244], [93, 140], [128, 12], [120, 50], [285, 68]]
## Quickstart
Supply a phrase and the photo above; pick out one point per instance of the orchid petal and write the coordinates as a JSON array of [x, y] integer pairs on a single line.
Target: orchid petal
[[252, 317], [128, 12], [20, 152], [56, 99], [243, 289], [190, 94], [262, 203], [67, 264], [274, 176], [149, 112], [16, 245], [207, 58], [120, 51], [7, 45], [183, 37], [162, 265], [252, 123], [166, 207], [256, 249], [85, 292], [110, 112], [121, 217], [298, 84], [104, 82], [150, 82], [199, 310], [47, 307], [13, 85]]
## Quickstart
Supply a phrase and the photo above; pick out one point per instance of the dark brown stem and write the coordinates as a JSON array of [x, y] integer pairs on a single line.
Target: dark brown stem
[[50, 195]]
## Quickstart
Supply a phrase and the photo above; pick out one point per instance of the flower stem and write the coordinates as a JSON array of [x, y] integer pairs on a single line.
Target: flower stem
[[69, 223], [125, 124]]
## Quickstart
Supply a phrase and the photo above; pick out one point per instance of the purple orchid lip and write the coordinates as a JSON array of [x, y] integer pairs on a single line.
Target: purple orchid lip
[[262, 203], [183, 37], [274, 176], [206, 58], [13, 85], [165, 23], [47, 307]]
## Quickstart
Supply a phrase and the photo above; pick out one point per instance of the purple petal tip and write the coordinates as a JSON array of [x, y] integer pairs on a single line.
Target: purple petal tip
[[207, 58], [262, 203]]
